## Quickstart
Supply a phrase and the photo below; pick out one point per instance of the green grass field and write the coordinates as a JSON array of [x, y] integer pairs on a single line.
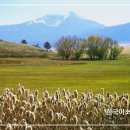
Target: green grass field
[[41, 74]]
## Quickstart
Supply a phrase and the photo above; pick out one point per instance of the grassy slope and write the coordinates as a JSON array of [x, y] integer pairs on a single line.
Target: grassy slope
[[8, 49]]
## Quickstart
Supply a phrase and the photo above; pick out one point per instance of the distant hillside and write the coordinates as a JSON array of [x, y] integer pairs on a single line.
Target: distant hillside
[[120, 33], [48, 28], [126, 50], [8, 49]]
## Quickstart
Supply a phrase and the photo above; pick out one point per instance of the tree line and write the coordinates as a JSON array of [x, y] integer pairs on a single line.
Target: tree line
[[95, 47]]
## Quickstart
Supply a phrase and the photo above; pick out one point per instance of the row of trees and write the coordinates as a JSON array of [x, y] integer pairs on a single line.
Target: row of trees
[[95, 47]]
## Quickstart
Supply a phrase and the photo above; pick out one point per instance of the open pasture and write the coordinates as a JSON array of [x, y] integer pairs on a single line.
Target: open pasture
[[113, 75]]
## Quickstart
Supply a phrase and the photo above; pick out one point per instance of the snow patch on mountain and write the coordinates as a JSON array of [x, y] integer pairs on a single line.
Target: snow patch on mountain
[[49, 20]]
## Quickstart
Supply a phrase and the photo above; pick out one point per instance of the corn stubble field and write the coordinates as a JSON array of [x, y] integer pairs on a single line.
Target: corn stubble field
[[63, 92]]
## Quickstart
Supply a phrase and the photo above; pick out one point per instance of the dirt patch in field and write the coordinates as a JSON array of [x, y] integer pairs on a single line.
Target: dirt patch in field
[[5, 62]]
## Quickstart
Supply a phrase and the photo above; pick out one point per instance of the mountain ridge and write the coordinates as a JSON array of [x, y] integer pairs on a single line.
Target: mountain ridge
[[52, 27]]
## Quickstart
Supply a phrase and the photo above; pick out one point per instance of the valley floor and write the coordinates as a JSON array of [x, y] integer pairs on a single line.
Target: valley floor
[[41, 74]]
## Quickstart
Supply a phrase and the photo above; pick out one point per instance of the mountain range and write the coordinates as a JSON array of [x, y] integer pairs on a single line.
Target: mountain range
[[51, 27]]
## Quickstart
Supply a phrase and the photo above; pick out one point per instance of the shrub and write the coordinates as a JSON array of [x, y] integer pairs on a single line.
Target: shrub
[[24, 41]]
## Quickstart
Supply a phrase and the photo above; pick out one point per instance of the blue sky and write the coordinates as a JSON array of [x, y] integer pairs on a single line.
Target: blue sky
[[64, 1], [108, 12]]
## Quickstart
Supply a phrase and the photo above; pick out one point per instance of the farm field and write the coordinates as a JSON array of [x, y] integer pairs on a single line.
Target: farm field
[[42, 74]]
